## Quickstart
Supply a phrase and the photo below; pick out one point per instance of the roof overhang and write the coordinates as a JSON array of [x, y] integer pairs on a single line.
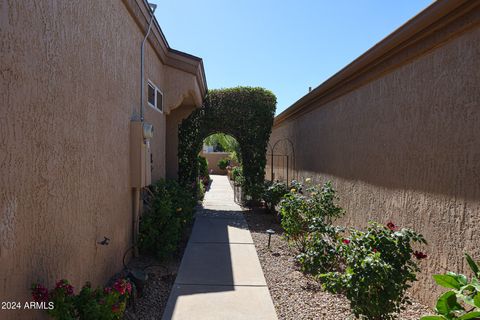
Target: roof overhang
[[140, 11]]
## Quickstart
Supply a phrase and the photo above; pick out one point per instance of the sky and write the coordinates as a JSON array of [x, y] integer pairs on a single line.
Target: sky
[[284, 46]]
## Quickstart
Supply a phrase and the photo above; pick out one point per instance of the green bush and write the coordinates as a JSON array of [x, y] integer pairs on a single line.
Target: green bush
[[273, 193], [201, 189], [223, 163], [203, 174], [306, 210], [237, 175], [378, 268], [372, 268], [321, 250], [203, 167], [161, 226], [107, 303], [462, 301]]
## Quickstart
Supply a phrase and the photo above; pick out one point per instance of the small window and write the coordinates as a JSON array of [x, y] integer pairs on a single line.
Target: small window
[[155, 97], [159, 100], [151, 95]]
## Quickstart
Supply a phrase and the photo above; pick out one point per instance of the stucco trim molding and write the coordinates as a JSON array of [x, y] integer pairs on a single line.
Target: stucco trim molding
[[431, 28], [139, 11]]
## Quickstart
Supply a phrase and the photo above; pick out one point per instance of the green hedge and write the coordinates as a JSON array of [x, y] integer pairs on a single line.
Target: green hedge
[[246, 114], [170, 210]]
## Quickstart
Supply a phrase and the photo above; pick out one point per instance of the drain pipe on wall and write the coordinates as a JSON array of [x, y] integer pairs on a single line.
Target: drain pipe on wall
[[136, 201], [142, 59]]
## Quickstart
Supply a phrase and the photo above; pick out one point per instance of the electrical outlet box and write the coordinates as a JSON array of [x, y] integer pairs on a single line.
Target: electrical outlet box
[[140, 167]]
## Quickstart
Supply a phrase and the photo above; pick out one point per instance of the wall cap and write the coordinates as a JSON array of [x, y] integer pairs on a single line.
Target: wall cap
[[436, 16]]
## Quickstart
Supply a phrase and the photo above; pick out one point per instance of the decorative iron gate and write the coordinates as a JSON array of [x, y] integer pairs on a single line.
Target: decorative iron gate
[[281, 161]]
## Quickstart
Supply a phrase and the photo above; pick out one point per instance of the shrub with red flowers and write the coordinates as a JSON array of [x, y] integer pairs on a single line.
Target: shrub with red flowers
[[62, 296], [377, 266], [372, 268], [102, 303]]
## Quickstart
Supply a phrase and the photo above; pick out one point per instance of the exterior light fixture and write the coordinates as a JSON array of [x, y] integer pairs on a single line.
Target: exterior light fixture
[[270, 232]]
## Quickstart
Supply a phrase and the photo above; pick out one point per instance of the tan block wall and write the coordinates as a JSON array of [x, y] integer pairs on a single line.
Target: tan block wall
[[213, 158], [405, 147], [69, 84]]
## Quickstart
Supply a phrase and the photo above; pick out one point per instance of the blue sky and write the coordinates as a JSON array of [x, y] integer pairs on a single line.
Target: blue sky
[[284, 46]]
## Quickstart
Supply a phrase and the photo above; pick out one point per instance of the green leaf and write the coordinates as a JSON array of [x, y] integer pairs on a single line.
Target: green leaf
[[470, 315], [476, 284], [472, 264], [476, 300], [447, 302], [433, 318], [447, 281]]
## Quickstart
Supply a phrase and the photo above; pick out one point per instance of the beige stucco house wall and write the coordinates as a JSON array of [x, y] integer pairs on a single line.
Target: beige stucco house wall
[[69, 85], [398, 132]]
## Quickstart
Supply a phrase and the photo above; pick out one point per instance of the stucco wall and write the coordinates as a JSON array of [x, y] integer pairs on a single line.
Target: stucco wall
[[213, 158], [405, 147], [69, 84]]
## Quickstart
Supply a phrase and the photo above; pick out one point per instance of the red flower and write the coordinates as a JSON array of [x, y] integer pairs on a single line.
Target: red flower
[[419, 255], [391, 226], [346, 241], [129, 287], [39, 293], [374, 250], [122, 286], [64, 285], [115, 308]]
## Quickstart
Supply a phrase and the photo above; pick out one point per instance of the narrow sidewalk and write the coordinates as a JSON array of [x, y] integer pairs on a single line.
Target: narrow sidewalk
[[220, 276]]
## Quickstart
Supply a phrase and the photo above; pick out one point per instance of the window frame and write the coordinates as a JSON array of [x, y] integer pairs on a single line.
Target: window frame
[[157, 90]]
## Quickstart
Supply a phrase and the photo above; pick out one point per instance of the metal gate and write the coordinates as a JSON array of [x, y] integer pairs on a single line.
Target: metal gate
[[281, 161]]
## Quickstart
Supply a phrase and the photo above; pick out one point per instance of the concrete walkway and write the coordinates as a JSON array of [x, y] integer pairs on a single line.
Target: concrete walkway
[[220, 276]]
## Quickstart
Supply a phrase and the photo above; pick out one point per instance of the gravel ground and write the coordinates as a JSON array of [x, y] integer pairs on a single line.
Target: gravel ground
[[151, 304], [295, 295], [161, 276]]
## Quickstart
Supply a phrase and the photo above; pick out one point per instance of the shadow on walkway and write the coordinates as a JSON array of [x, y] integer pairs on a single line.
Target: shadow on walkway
[[220, 276]]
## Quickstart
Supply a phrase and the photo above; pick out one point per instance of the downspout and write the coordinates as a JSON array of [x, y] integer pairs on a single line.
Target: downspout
[[142, 59], [136, 201]]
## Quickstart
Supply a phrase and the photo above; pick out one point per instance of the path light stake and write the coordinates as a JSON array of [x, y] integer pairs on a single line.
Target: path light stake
[[270, 232]]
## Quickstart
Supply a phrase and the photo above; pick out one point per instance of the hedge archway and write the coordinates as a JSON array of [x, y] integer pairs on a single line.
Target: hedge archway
[[245, 113]]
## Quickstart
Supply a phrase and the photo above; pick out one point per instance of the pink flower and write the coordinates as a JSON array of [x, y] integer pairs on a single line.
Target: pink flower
[[107, 290], [346, 241], [122, 286]]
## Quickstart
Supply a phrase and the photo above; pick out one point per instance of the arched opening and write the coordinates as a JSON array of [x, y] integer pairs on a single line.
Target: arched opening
[[221, 155], [244, 113], [281, 161], [222, 151]]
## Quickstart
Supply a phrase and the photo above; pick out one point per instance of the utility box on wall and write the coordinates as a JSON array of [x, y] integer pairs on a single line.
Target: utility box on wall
[[140, 166]]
